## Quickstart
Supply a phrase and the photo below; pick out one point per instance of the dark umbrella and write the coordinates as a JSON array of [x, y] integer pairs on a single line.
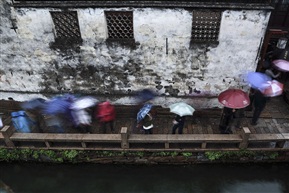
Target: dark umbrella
[[146, 95], [234, 98]]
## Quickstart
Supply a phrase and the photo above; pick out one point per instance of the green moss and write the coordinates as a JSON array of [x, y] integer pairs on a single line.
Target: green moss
[[74, 156], [226, 155], [187, 154]]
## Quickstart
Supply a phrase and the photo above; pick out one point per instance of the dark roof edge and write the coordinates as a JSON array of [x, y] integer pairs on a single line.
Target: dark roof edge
[[140, 4]]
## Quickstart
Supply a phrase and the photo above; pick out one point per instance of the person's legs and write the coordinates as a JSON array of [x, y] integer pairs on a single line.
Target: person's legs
[[103, 127], [174, 128], [151, 131], [180, 131], [111, 126], [226, 123], [87, 128], [256, 115]]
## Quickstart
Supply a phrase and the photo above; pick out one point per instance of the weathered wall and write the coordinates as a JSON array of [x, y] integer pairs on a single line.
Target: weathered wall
[[28, 63]]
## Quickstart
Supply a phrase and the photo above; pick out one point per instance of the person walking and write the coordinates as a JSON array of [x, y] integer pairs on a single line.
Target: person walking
[[147, 123], [179, 123], [259, 104], [82, 120], [106, 115], [231, 118], [238, 116], [226, 120]]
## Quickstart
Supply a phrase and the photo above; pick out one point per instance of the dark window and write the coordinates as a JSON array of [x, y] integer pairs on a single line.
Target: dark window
[[119, 24], [66, 27], [206, 26]]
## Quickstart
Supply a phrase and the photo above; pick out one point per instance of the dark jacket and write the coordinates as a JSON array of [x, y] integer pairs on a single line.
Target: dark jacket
[[180, 120], [259, 100]]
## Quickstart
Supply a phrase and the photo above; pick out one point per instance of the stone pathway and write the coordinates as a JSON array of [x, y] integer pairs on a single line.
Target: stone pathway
[[274, 119]]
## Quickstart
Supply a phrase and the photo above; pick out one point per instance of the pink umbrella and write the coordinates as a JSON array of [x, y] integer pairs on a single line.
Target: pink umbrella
[[234, 98], [273, 88], [282, 65]]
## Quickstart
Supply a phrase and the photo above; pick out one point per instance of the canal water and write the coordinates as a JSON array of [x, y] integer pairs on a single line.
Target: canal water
[[94, 178]]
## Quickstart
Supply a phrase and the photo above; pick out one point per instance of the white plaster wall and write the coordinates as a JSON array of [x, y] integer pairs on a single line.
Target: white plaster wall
[[28, 64], [241, 35]]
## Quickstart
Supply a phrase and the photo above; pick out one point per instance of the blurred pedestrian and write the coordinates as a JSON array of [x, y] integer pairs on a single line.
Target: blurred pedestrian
[[21, 122], [259, 104], [53, 124], [34, 110], [270, 72], [106, 114], [179, 123], [82, 120]]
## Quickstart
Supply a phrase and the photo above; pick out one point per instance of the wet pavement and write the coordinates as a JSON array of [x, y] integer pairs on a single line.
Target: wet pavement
[[274, 119]]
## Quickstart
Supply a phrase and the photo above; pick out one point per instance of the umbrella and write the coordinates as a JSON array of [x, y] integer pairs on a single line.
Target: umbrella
[[146, 95], [273, 88], [257, 79], [83, 102], [36, 103], [143, 111], [181, 109], [282, 65], [234, 98], [57, 105]]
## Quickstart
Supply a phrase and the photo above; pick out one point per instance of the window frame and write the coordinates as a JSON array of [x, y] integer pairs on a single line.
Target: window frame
[[122, 37], [205, 28], [64, 41]]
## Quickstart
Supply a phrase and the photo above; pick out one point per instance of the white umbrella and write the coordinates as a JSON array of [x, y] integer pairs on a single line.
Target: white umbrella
[[181, 109], [273, 88], [83, 102]]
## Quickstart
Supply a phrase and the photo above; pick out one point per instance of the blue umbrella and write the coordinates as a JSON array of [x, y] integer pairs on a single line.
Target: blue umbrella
[[146, 94], [58, 105], [258, 80], [143, 112], [36, 103]]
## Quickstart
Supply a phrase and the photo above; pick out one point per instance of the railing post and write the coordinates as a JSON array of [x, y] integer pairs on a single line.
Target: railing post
[[204, 145], [281, 144], [124, 137], [7, 131], [245, 136]]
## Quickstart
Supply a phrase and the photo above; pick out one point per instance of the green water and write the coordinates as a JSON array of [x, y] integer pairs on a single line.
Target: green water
[[91, 178]]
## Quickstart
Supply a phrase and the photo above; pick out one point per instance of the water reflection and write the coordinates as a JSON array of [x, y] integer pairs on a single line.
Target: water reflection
[[40, 178], [257, 186]]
